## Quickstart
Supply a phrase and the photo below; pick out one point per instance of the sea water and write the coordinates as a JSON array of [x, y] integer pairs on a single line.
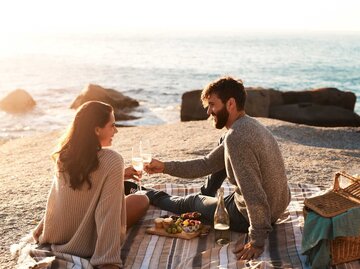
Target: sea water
[[157, 69]]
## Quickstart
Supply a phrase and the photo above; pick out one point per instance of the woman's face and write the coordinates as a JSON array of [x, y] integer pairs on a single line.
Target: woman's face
[[106, 133]]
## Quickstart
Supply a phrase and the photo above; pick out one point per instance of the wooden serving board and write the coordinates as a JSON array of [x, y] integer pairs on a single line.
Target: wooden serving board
[[162, 232]]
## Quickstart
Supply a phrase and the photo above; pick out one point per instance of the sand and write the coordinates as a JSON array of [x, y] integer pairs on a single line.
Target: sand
[[311, 154]]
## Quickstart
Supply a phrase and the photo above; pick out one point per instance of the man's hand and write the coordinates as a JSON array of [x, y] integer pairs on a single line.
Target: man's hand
[[247, 251], [131, 173], [155, 166]]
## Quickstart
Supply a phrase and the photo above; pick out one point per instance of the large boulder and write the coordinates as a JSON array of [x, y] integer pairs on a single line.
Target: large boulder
[[334, 97], [319, 107], [18, 101], [117, 100], [257, 102], [316, 115], [322, 96], [191, 107]]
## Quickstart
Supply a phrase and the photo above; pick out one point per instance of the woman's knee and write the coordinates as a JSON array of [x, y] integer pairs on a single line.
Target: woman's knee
[[136, 207], [137, 203]]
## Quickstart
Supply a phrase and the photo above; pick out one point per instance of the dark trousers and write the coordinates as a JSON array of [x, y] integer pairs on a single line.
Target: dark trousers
[[203, 202]]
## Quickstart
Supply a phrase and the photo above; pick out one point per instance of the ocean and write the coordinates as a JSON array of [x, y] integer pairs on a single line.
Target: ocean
[[157, 69]]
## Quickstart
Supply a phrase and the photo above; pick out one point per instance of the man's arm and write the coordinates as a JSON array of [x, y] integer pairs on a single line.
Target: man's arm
[[195, 168], [211, 163]]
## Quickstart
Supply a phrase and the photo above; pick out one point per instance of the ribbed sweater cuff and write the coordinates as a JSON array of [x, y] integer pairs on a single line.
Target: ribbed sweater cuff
[[258, 241]]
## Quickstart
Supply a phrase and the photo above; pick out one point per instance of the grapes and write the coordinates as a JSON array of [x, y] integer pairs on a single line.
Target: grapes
[[174, 229]]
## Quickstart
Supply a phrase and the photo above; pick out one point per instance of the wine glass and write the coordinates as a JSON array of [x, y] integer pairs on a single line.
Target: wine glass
[[137, 161], [145, 148]]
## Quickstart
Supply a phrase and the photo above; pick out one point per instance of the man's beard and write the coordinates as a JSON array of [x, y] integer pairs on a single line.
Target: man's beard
[[222, 117]]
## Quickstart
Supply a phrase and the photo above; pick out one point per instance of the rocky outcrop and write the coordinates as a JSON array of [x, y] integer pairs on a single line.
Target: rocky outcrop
[[191, 107], [18, 101], [316, 115], [257, 104], [322, 96], [121, 103], [318, 107], [327, 107], [259, 100]]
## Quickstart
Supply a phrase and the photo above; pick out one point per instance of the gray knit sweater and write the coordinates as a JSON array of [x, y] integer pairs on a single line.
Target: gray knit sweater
[[254, 164]]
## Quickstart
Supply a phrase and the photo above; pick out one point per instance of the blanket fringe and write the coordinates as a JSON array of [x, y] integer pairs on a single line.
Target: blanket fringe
[[21, 252]]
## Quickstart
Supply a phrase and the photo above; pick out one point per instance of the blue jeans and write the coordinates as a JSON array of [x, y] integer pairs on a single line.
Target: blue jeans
[[203, 204]]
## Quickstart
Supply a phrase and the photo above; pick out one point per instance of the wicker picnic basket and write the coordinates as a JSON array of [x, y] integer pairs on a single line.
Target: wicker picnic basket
[[335, 202]]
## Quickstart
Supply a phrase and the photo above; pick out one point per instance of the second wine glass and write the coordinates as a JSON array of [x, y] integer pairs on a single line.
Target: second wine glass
[[145, 149], [137, 161]]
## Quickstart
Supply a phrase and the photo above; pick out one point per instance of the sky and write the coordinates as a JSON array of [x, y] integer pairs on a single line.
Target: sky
[[24, 16]]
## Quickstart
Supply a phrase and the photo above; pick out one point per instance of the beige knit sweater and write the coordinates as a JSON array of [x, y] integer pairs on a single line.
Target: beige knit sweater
[[90, 223]]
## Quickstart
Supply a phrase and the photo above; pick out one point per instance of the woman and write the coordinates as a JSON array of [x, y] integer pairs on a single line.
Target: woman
[[87, 212]]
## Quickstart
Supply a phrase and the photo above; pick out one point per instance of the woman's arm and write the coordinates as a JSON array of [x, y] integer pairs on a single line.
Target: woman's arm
[[110, 215], [38, 230]]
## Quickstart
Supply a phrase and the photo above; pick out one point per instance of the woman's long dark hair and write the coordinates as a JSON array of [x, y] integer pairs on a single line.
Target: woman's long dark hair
[[80, 144]]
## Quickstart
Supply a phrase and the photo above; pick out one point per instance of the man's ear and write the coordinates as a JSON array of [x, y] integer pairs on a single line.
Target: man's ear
[[97, 131], [231, 103]]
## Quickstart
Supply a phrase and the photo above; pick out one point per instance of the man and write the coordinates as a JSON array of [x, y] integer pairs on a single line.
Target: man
[[253, 163]]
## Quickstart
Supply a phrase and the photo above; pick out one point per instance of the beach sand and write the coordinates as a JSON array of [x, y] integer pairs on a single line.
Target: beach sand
[[311, 154]]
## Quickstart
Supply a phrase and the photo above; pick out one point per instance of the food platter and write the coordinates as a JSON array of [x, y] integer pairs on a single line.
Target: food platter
[[186, 226], [182, 235]]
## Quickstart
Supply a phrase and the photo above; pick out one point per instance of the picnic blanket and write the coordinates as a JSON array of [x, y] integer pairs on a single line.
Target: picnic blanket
[[142, 250]]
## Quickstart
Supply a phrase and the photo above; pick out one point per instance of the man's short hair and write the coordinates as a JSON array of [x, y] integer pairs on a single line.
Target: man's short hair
[[225, 88]]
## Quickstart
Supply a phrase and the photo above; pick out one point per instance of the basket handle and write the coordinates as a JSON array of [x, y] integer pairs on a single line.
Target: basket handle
[[337, 176]]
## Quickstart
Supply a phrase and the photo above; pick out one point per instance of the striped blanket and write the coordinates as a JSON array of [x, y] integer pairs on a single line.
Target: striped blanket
[[141, 250]]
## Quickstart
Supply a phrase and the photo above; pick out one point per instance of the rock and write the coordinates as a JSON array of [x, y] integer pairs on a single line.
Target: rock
[[276, 97], [116, 99], [316, 115], [293, 97], [191, 107], [319, 107], [333, 97], [120, 115], [257, 102], [18, 101], [322, 96]]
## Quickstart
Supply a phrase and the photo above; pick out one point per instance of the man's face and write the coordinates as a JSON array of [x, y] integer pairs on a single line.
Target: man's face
[[218, 111]]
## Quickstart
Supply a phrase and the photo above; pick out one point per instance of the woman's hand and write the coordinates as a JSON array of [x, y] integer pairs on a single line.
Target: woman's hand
[[38, 231], [131, 173], [155, 166]]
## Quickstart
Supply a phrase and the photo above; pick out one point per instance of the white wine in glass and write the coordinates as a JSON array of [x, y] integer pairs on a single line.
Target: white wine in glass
[[137, 162], [145, 151], [145, 148]]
